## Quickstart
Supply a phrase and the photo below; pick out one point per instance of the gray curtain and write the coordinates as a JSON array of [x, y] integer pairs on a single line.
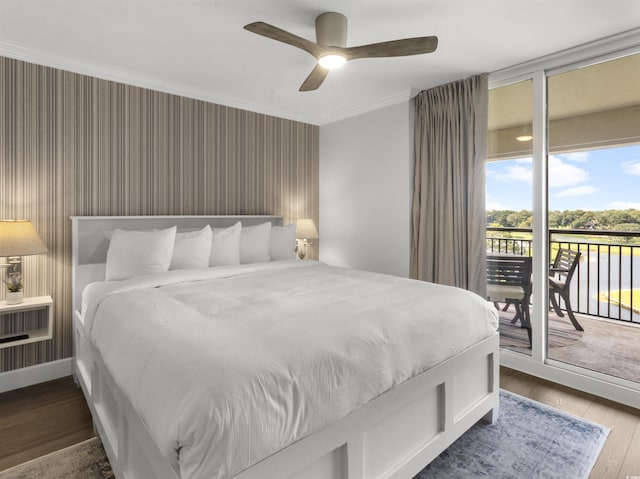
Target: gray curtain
[[448, 224]]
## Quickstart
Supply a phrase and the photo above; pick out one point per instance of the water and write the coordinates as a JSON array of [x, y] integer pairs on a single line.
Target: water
[[612, 272]]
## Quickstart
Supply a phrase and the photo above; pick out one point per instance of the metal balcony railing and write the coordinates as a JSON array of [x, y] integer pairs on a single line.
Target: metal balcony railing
[[608, 269]]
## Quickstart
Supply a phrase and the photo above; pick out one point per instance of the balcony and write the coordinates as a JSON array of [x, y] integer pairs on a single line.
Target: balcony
[[610, 264]]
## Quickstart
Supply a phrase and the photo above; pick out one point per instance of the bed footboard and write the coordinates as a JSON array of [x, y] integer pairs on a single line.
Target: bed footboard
[[400, 432], [393, 436]]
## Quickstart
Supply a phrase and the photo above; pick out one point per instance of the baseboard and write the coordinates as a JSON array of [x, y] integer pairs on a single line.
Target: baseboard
[[20, 378]]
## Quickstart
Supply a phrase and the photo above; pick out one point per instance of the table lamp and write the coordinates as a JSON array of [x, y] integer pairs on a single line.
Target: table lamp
[[305, 230], [17, 238]]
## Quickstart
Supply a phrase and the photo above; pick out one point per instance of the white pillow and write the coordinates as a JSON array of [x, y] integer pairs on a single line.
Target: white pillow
[[283, 242], [254, 243], [136, 253], [225, 248], [192, 249]]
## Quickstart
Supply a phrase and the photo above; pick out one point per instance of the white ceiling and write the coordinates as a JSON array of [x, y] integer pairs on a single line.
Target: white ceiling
[[199, 49]]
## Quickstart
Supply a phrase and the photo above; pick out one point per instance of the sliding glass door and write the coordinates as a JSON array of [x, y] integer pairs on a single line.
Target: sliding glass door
[[563, 186], [509, 192], [593, 167]]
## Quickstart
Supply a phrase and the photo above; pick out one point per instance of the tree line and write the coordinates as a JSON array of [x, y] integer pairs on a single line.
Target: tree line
[[617, 220]]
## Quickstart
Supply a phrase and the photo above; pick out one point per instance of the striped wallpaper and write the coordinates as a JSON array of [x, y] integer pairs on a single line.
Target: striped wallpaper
[[76, 145]]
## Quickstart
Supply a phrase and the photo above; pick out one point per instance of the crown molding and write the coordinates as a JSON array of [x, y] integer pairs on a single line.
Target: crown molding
[[19, 52]]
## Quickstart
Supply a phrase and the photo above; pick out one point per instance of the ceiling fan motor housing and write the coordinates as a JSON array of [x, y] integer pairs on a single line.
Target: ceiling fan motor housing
[[331, 30]]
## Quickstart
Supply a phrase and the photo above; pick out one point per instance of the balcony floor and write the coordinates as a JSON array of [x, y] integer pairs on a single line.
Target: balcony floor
[[607, 346]]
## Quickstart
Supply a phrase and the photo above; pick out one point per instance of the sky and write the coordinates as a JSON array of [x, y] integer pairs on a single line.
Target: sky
[[604, 179]]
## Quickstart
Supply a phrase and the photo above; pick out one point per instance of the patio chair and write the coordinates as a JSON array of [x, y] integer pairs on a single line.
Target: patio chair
[[560, 275], [509, 281]]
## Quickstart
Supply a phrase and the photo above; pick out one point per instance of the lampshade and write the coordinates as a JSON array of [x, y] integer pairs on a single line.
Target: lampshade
[[19, 238], [305, 229]]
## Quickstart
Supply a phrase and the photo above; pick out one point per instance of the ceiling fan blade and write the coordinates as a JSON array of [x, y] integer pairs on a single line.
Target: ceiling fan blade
[[315, 79], [284, 36], [394, 48]]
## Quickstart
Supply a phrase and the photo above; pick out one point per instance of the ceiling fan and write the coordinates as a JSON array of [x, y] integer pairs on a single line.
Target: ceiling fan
[[330, 46]]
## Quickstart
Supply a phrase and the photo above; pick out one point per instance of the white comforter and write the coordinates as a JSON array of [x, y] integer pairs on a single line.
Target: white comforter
[[228, 365]]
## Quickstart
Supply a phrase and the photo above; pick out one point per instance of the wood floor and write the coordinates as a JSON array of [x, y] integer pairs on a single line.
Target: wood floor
[[620, 458], [40, 419], [50, 416]]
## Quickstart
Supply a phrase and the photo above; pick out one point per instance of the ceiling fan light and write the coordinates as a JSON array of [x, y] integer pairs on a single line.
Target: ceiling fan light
[[332, 61], [524, 138]]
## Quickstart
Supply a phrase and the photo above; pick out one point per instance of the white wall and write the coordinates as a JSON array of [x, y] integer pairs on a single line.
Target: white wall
[[366, 175]]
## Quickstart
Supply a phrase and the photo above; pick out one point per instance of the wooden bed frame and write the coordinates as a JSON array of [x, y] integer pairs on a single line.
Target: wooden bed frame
[[393, 436]]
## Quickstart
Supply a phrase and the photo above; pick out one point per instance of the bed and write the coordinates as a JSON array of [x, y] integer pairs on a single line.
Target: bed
[[327, 388]]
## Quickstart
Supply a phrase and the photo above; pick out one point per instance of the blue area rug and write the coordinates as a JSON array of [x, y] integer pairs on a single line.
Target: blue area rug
[[528, 441]]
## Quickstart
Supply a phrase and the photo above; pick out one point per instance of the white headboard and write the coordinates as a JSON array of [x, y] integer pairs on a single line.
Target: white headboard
[[91, 234]]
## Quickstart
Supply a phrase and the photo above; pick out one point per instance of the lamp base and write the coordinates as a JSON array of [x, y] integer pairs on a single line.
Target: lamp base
[[14, 297], [15, 263]]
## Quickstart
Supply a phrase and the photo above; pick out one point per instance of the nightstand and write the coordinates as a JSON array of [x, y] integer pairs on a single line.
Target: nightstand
[[34, 303]]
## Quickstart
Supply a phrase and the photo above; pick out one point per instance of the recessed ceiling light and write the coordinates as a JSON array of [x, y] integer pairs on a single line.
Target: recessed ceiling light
[[331, 62], [524, 138]]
